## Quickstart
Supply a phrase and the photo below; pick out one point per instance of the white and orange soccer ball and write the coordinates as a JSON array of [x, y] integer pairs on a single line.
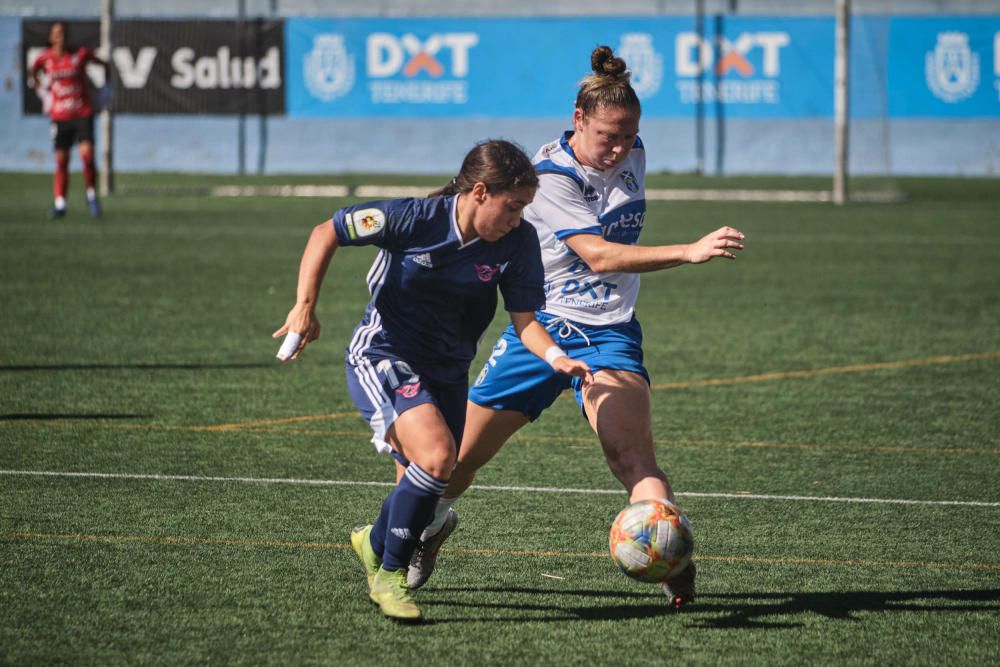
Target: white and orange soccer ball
[[651, 540]]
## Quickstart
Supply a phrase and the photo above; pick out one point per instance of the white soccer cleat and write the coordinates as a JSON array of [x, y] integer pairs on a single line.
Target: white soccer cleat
[[425, 555]]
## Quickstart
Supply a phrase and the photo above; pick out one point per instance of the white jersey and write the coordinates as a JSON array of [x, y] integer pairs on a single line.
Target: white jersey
[[574, 199]]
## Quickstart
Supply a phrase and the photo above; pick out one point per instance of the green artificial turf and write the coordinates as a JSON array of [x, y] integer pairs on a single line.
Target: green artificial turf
[[849, 353]]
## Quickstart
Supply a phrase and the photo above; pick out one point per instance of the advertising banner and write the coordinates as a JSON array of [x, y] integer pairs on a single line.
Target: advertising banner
[[531, 67], [180, 67], [739, 67], [730, 67], [945, 66]]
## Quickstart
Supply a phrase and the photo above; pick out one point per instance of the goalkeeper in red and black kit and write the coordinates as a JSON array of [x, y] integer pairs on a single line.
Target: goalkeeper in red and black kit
[[68, 103]]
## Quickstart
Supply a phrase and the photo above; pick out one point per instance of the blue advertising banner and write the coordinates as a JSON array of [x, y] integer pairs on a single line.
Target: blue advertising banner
[[945, 67], [753, 67]]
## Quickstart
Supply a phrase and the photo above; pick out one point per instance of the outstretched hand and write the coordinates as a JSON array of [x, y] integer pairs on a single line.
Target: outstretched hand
[[301, 320], [720, 243], [574, 367]]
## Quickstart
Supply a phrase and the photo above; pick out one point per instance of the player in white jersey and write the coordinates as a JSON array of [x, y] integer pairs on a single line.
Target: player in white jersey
[[588, 211]]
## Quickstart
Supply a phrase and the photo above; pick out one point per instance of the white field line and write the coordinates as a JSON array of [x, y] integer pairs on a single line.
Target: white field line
[[662, 194], [280, 191], [391, 191], [516, 489]]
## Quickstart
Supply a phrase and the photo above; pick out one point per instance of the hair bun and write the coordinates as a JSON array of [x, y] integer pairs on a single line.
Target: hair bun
[[604, 62]]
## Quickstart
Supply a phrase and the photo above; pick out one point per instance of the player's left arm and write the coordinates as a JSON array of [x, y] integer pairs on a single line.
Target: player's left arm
[[603, 256], [540, 343]]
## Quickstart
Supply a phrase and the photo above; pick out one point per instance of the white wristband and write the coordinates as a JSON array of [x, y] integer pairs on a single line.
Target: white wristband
[[288, 347], [553, 353]]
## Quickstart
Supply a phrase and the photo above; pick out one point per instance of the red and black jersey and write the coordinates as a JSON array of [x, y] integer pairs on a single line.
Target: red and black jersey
[[67, 82]]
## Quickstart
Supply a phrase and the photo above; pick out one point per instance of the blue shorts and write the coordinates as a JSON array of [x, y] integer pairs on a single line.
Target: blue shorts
[[385, 387], [515, 379]]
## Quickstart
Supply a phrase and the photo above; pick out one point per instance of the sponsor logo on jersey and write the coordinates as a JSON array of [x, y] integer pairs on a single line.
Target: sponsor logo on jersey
[[952, 69], [590, 194], [745, 83], [625, 228], [423, 259], [485, 272], [328, 68], [644, 62], [631, 184]]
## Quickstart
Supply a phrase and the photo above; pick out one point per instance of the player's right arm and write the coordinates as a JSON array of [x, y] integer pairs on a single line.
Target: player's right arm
[[315, 260], [33, 71]]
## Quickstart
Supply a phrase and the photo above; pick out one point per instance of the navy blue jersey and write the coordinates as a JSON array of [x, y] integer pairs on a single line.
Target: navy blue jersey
[[432, 297]]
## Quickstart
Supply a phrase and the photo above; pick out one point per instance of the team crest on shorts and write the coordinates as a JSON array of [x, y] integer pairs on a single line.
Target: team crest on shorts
[[409, 390]]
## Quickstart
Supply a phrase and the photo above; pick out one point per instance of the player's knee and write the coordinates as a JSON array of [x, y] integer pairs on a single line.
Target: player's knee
[[439, 460]]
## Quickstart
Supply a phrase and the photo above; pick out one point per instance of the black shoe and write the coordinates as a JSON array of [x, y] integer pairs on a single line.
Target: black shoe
[[57, 213], [680, 589]]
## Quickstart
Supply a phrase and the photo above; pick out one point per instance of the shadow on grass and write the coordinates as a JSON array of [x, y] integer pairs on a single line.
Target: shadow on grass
[[742, 611], [48, 416], [730, 611], [132, 367]]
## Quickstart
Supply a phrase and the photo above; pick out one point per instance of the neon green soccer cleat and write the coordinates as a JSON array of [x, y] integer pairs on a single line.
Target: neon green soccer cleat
[[390, 592], [360, 540]]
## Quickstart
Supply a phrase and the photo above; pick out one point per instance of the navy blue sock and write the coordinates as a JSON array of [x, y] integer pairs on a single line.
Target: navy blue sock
[[381, 526], [411, 509]]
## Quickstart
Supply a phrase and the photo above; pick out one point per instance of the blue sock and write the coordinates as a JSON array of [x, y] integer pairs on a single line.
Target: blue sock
[[411, 509], [381, 526]]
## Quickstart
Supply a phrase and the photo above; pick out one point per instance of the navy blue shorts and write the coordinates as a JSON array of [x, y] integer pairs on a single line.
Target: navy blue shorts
[[515, 379], [385, 387]]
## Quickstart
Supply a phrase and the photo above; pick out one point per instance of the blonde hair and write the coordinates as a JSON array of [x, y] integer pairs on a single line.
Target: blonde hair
[[610, 84]]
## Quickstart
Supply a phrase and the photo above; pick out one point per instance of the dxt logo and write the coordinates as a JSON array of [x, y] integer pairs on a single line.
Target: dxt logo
[[694, 55], [389, 55]]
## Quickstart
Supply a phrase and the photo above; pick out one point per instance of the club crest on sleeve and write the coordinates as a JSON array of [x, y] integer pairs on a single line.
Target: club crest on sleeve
[[368, 221]]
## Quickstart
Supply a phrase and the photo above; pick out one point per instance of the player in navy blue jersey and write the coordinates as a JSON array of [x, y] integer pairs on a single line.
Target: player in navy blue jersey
[[434, 290]]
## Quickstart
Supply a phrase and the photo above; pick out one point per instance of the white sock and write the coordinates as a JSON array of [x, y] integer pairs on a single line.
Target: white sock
[[440, 514], [60, 203], [91, 194]]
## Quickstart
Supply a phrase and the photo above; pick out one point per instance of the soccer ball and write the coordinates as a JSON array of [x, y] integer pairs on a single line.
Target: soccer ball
[[651, 540]]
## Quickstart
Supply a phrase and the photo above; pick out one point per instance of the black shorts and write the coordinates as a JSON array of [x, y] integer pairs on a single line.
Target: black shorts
[[65, 133]]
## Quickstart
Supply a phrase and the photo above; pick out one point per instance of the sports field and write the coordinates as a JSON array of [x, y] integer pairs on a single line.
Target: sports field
[[827, 408]]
